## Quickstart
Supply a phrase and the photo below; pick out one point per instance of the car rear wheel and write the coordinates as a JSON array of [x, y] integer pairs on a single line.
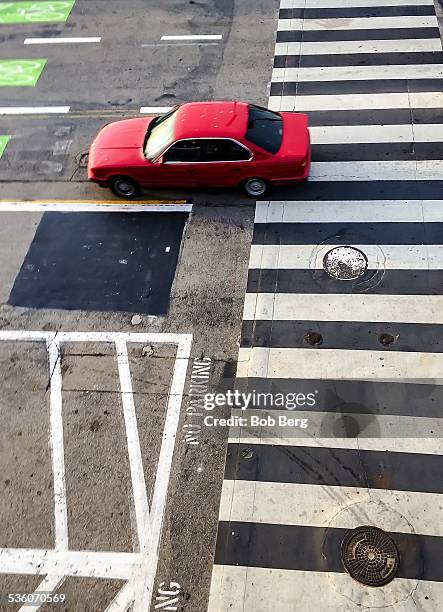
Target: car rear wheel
[[255, 187], [124, 187]]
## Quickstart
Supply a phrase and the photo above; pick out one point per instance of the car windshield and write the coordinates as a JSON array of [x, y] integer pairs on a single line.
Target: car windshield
[[160, 134], [265, 128]]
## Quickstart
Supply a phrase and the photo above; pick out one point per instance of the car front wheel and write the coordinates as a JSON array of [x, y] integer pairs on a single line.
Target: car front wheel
[[255, 187], [124, 187]]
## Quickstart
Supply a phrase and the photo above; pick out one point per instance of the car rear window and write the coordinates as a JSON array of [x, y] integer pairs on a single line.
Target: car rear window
[[265, 128]]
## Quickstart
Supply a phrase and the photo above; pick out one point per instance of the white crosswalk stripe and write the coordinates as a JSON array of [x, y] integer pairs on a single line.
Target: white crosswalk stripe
[[309, 103], [350, 73], [299, 504], [344, 307], [355, 211], [351, 3], [347, 134], [366, 352], [358, 46], [366, 23]]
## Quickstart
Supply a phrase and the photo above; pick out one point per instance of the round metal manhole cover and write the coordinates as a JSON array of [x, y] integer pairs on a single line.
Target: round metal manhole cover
[[370, 556], [345, 263]]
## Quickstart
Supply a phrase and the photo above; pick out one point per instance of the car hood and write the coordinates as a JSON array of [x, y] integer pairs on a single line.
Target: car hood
[[296, 141], [126, 134]]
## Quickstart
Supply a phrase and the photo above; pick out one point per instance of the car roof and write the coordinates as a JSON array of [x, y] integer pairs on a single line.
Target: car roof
[[211, 120]]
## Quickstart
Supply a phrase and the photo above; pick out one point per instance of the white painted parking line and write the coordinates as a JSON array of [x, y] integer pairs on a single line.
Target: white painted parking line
[[137, 567], [56, 445], [123, 600], [34, 110], [95, 205], [54, 41], [48, 585], [179, 44], [140, 497], [80, 563], [193, 37], [155, 110]]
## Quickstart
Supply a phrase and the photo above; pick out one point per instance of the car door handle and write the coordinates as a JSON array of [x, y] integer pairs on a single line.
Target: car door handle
[[235, 169]]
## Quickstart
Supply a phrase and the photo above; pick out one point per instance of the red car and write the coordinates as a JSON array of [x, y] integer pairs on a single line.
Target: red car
[[202, 144]]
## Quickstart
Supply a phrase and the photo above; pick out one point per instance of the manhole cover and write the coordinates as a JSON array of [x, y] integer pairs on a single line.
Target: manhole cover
[[345, 263], [370, 555]]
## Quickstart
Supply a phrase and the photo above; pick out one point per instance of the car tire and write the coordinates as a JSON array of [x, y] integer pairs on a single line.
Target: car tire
[[255, 187], [124, 187]]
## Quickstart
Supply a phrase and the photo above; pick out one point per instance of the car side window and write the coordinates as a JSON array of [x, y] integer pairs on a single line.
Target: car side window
[[220, 150], [184, 151]]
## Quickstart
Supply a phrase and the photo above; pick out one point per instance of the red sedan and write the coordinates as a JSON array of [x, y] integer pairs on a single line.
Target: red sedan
[[202, 144]]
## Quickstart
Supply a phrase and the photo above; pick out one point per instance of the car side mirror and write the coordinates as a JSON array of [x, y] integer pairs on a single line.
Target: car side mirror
[[160, 160]]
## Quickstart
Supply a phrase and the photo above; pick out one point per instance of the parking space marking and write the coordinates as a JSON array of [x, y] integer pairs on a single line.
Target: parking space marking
[[179, 44], [49, 584], [3, 142], [34, 12], [154, 110], [138, 567], [56, 445], [141, 504], [20, 72], [34, 110], [53, 41], [95, 206], [80, 563], [193, 37]]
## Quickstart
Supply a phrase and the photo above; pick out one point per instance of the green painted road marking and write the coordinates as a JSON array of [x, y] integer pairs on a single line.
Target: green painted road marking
[[3, 142], [20, 73], [32, 12]]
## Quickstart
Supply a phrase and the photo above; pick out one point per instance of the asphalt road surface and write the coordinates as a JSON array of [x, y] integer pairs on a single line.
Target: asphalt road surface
[[116, 317]]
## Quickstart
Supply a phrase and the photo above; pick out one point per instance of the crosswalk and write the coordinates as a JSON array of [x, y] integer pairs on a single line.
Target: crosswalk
[[369, 74]]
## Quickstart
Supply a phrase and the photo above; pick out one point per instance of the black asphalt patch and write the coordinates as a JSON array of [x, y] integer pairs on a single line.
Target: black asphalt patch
[[101, 261]]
